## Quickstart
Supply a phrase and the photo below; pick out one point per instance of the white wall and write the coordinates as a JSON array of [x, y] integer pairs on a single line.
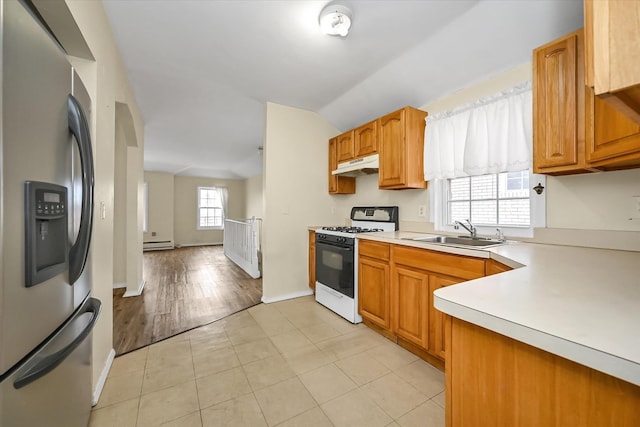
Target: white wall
[[120, 211], [185, 208], [599, 201], [295, 195], [254, 196], [107, 82], [160, 206]]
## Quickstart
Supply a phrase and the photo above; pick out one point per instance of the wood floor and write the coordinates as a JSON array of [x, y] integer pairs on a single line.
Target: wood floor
[[185, 288]]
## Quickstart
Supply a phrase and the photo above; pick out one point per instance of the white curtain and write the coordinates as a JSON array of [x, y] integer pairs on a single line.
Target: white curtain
[[491, 135], [224, 195]]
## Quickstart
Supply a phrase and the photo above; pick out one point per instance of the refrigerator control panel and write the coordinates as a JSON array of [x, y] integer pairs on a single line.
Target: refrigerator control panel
[[46, 222], [50, 204]]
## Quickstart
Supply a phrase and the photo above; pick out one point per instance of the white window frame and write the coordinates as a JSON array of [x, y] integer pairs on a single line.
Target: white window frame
[[213, 227], [439, 205]]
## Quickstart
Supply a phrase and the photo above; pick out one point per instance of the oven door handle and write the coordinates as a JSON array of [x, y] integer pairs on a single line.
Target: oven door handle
[[332, 245]]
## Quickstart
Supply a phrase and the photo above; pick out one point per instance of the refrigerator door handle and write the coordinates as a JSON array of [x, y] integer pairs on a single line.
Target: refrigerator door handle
[[42, 367], [80, 129]]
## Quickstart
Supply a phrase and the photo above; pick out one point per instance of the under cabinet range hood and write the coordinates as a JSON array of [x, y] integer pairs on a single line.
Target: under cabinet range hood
[[357, 167]]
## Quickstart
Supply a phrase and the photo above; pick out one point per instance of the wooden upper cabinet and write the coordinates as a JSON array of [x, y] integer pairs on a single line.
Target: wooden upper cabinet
[[345, 147], [613, 139], [338, 184], [612, 29], [558, 106], [365, 140], [401, 146], [575, 131]]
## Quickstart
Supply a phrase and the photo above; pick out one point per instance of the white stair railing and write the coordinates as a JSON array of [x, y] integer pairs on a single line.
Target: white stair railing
[[242, 244]]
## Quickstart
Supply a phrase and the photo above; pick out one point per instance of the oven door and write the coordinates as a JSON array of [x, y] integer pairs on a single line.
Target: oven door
[[334, 267]]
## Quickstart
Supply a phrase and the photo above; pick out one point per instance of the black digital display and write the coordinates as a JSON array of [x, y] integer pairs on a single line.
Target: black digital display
[[368, 212], [51, 197]]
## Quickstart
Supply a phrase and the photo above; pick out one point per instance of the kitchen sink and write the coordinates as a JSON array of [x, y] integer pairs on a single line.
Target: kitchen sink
[[457, 241]]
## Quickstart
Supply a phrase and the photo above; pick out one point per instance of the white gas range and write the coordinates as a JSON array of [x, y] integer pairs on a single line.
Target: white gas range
[[337, 258]]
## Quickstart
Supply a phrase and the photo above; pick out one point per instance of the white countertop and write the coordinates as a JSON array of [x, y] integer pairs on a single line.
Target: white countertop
[[580, 303]]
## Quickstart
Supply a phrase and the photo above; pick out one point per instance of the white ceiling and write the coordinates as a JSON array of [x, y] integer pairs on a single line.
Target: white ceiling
[[202, 70]]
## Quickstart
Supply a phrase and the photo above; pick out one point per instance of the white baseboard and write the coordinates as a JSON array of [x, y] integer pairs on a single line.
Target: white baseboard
[[183, 245], [103, 377], [157, 246], [119, 285], [136, 292], [287, 296]]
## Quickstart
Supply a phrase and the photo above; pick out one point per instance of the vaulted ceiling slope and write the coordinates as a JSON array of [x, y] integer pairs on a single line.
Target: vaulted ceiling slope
[[202, 70]]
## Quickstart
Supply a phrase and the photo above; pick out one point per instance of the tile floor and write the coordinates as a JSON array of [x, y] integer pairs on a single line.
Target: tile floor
[[290, 363]]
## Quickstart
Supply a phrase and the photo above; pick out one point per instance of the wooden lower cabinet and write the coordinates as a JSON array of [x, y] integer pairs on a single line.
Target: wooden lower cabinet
[[436, 317], [411, 305], [374, 283], [493, 380], [373, 291], [415, 275], [312, 259], [395, 292], [495, 267]]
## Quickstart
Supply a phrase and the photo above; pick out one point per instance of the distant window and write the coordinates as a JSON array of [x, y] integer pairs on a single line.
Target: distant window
[[210, 208]]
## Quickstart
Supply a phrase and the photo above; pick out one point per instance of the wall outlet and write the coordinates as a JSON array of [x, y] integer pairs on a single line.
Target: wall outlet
[[422, 211]]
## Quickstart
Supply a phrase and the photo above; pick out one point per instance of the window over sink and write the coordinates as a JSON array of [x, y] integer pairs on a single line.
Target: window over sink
[[491, 201]]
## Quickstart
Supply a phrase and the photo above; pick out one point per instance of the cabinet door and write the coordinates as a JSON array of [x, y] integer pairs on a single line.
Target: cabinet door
[[558, 105], [338, 184], [612, 50], [494, 267], [365, 140], [411, 305], [333, 163], [345, 148], [436, 319], [613, 138], [312, 259], [391, 139], [373, 291], [612, 37]]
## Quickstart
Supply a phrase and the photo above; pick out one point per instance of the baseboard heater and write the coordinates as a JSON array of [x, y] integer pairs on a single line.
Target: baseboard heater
[[159, 245]]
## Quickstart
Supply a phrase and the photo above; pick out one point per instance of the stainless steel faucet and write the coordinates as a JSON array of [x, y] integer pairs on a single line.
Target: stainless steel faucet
[[470, 228]]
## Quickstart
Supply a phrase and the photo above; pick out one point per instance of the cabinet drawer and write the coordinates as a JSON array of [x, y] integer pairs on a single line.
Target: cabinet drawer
[[438, 262], [373, 249]]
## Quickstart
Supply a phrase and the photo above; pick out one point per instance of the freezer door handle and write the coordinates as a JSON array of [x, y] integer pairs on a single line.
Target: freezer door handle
[[80, 129], [43, 366]]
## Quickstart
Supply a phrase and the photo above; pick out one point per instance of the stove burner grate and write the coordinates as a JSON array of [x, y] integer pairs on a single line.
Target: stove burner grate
[[352, 229]]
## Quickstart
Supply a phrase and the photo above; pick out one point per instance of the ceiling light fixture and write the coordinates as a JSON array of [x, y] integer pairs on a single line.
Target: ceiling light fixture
[[335, 20]]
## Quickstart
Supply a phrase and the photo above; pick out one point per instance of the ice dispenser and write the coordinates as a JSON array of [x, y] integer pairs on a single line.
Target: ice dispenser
[[46, 239]]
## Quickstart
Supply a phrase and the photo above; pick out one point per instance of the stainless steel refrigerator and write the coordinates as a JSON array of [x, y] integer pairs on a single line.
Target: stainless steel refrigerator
[[46, 213]]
